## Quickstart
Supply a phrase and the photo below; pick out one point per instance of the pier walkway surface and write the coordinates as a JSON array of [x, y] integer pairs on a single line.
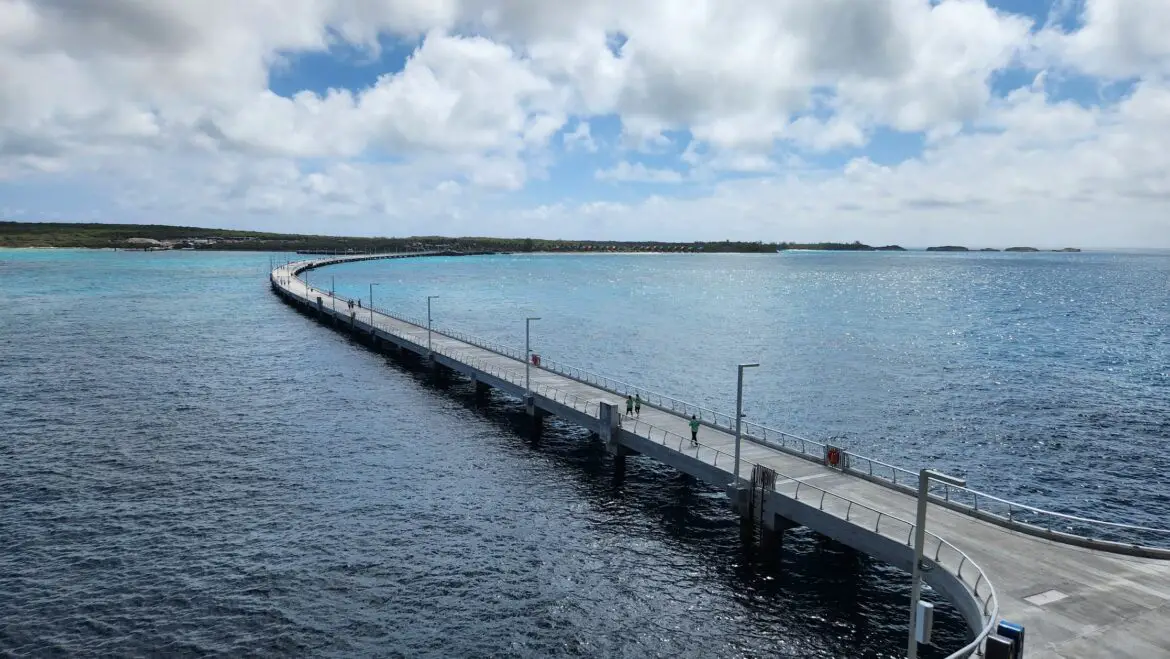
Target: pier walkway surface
[[1077, 590]]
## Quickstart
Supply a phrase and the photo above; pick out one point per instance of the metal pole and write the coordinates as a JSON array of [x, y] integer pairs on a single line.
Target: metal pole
[[372, 285], [429, 298], [739, 418], [528, 355], [333, 293], [924, 478]]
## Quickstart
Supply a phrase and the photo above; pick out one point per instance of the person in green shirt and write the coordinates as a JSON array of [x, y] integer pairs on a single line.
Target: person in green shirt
[[629, 405], [638, 404], [694, 431]]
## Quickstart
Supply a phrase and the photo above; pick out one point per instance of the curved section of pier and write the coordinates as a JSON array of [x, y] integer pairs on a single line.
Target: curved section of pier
[[1076, 594]]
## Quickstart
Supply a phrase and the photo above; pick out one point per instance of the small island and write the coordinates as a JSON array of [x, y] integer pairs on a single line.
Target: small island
[[1021, 249], [989, 249], [948, 248], [1071, 250], [855, 246]]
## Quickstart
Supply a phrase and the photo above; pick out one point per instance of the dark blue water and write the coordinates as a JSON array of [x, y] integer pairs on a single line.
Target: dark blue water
[[191, 468]]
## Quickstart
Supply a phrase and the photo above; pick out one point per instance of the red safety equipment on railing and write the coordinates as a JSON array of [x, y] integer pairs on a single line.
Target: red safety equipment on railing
[[834, 456], [535, 359]]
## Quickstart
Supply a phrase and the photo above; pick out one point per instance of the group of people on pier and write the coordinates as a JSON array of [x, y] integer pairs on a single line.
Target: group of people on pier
[[634, 408]]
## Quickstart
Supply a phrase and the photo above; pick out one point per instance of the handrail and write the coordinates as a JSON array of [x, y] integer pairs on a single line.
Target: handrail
[[650, 398], [853, 462], [1014, 507], [989, 604], [962, 499]]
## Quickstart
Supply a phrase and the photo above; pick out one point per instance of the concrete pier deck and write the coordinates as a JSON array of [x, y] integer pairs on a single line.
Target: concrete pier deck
[[1086, 601]]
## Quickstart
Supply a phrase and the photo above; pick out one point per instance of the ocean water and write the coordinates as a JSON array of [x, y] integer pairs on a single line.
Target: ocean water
[[1042, 377], [191, 468]]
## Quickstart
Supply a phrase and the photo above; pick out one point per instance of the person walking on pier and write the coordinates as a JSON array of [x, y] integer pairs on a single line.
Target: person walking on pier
[[694, 431], [629, 405], [637, 404]]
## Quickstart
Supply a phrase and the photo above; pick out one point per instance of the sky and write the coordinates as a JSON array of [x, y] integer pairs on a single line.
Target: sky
[[917, 122]]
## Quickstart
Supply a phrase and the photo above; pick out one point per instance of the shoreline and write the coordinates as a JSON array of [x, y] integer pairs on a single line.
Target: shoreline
[[580, 252]]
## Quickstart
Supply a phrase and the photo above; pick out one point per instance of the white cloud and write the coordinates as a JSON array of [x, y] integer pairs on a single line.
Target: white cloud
[[164, 107], [1116, 38], [638, 173]]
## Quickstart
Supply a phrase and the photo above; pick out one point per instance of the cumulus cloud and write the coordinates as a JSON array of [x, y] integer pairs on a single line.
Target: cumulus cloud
[[1114, 38], [164, 105], [638, 173]]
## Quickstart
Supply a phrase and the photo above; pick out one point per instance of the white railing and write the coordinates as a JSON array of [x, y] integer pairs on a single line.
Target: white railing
[[944, 554], [649, 398], [1111, 535]]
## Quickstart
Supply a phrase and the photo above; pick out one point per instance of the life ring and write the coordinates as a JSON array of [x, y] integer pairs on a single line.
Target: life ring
[[834, 457]]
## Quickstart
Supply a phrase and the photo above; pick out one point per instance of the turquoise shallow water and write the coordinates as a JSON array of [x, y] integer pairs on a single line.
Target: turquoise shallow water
[[192, 468]]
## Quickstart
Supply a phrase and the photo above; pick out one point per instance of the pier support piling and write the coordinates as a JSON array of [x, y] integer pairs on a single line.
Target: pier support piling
[[610, 423], [534, 413], [439, 373], [482, 389]]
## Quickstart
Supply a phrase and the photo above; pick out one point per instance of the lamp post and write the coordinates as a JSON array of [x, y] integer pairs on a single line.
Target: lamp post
[[528, 354], [924, 478], [429, 298], [332, 293], [739, 417], [372, 285]]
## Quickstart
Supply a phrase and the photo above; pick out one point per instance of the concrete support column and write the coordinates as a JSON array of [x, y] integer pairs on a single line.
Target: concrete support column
[[610, 421], [772, 533], [739, 498], [482, 389], [535, 414]]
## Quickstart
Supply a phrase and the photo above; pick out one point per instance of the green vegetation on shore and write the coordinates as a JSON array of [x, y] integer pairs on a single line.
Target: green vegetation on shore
[[158, 236], [161, 236]]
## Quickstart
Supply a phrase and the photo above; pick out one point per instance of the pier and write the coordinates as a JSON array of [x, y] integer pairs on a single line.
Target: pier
[[1071, 582]]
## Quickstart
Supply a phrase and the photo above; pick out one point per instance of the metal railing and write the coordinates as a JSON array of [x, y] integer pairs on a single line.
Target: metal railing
[[945, 554], [649, 398], [1112, 536], [612, 385]]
